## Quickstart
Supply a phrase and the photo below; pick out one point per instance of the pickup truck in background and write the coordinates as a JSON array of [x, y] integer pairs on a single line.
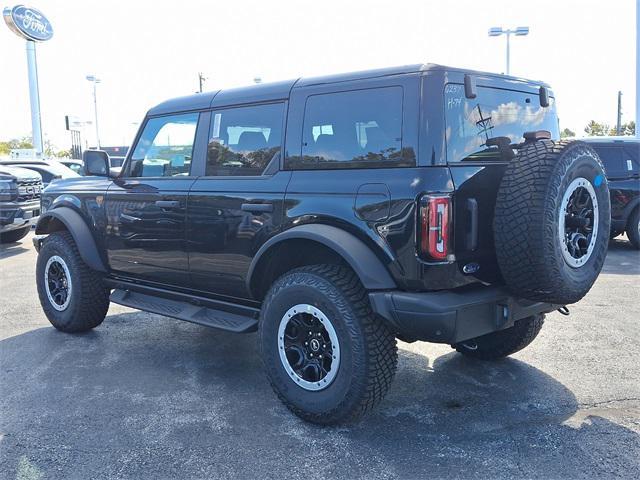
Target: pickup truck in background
[[20, 191]]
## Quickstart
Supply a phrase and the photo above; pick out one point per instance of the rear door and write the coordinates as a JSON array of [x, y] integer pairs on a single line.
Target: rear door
[[146, 207], [477, 169], [237, 204]]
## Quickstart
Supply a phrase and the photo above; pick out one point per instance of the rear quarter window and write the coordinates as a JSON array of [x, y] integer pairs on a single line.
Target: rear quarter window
[[619, 161], [353, 129], [493, 113]]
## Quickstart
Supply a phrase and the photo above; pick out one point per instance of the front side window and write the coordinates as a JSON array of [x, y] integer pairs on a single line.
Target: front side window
[[356, 129], [165, 148], [471, 122], [244, 140]]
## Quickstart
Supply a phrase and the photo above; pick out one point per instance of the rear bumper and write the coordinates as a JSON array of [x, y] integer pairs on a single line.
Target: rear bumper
[[453, 316]]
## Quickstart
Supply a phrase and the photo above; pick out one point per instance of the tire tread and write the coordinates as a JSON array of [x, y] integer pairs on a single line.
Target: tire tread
[[379, 342]]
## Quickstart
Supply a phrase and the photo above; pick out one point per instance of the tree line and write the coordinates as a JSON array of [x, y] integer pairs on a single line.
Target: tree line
[[597, 129], [26, 142]]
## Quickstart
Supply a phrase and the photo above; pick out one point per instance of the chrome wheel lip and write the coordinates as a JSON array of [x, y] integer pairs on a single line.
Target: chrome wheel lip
[[577, 183], [57, 259], [333, 337]]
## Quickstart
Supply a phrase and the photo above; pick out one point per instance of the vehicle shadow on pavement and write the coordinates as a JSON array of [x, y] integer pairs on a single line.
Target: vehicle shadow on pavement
[[622, 258], [10, 249], [144, 396]]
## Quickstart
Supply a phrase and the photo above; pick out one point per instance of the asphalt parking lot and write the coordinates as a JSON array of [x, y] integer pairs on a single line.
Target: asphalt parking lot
[[144, 396]]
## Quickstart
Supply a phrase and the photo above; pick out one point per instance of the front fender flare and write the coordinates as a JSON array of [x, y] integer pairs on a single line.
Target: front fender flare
[[364, 262], [79, 230]]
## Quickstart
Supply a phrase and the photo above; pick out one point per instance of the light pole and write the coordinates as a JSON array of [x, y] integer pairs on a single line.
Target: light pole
[[637, 69], [519, 32], [95, 80]]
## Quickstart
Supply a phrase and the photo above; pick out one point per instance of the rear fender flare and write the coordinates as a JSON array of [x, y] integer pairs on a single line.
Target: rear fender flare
[[77, 226], [364, 262]]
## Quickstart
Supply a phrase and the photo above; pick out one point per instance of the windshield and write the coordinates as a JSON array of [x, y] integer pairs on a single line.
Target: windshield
[[59, 169]]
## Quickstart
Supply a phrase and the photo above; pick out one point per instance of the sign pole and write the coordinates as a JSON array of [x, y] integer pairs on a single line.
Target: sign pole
[[33, 26], [34, 96]]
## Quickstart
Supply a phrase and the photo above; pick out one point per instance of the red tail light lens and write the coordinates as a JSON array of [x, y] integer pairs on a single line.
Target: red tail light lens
[[435, 225]]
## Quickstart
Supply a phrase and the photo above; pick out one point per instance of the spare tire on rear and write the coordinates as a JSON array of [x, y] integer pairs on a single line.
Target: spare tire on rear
[[552, 221]]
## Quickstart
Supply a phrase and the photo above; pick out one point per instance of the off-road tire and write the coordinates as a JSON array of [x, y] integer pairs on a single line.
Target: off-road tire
[[528, 245], [89, 298], [632, 228], [503, 343], [14, 235], [368, 348]]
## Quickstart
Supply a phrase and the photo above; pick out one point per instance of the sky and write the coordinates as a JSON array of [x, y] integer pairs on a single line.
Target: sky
[[147, 51]]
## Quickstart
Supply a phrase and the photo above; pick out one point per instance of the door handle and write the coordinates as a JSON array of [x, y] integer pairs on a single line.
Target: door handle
[[168, 203], [256, 207]]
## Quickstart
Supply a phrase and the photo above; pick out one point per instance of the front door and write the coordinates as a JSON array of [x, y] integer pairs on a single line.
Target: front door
[[237, 205], [147, 206]]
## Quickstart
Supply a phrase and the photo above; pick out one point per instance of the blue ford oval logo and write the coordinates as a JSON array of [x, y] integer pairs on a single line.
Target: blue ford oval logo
[[28, 23], [471, 268]]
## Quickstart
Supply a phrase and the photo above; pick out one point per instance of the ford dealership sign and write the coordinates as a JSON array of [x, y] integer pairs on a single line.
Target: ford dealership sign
[[28, 23]]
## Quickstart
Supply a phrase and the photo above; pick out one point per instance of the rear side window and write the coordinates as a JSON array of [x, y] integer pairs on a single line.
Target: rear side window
[[612, 160], [619, 161], [165, 147], [470, 122], [355, 129], [244, 140]]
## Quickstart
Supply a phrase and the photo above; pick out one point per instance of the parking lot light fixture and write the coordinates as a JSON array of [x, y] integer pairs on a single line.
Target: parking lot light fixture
[[519, 32]]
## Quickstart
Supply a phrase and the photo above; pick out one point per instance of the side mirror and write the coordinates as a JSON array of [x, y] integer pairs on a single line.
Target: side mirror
[[96, 163]]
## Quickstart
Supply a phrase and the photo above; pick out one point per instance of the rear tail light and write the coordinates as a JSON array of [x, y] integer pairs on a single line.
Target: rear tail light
[[435, 227]]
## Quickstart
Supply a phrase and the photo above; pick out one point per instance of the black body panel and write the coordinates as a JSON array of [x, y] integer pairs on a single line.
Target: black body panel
[[226, 227], [145, 232]]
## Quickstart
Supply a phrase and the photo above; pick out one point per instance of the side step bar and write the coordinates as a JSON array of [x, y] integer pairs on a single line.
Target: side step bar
[[182, 310]]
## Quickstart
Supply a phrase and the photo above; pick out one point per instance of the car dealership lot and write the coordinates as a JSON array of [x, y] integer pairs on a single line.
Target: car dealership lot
[[148, 396]]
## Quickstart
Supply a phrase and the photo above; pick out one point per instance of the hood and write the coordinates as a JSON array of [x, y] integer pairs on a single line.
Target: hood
[[18, 173]]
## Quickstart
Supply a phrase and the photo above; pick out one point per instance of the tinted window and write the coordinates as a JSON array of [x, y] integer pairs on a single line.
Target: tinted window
[[632, 158], [75, 167], [165, 147], [619, 161], [493, 113], [357, 129], [46, 175], [244, 140], [611, 159]]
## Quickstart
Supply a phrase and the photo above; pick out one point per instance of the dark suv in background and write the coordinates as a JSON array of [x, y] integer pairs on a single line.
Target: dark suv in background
[[334, 215], [621, 159], [20, 191]]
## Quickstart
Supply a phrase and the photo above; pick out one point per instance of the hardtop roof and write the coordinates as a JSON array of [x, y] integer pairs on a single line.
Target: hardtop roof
[[265, 92], [611, 140]]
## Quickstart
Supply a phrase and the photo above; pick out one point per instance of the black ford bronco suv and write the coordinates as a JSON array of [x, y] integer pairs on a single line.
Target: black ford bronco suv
[[334, 215]]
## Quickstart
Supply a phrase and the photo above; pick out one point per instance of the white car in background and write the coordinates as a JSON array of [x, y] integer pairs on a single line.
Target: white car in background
[[50, 170]]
